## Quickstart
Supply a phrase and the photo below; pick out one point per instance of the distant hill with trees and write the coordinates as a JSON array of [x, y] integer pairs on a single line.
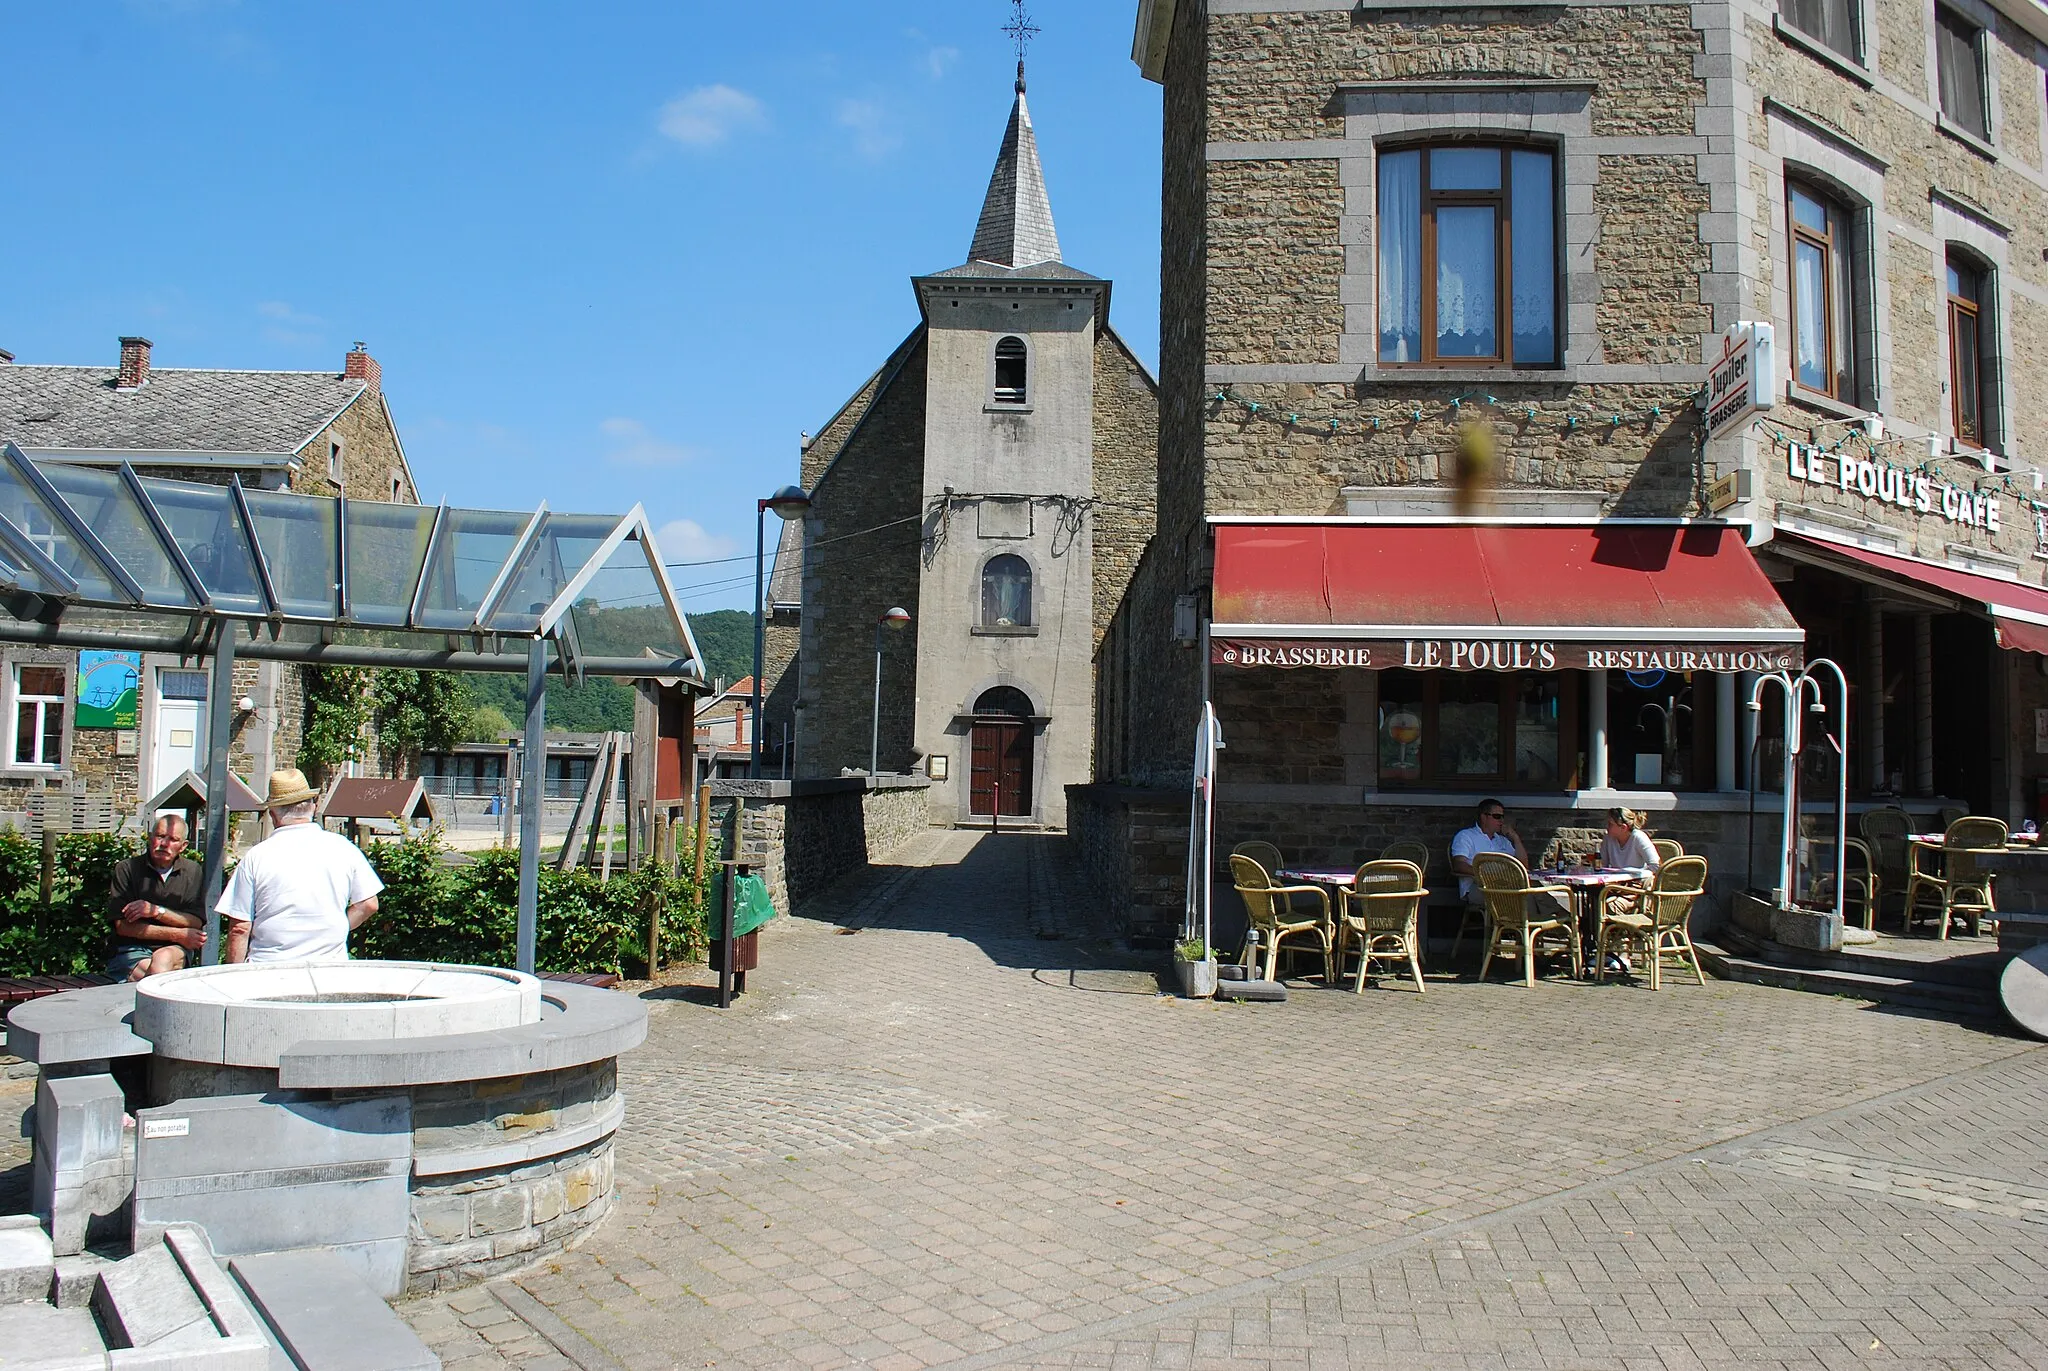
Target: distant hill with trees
[[724, 636]]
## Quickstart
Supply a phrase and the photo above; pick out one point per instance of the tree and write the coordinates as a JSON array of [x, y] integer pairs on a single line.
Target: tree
[[411, 712]]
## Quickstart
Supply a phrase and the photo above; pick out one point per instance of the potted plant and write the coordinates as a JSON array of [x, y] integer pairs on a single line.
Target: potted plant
[[1195, 963]]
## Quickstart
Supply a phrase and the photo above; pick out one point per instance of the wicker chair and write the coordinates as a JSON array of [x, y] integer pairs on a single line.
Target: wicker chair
[[1656, 920], [1961, 888], [1884, 840], [1505, 883], [1380, 916], [1269, 859], [1667, 849], [1408, 850], [1275, 919]]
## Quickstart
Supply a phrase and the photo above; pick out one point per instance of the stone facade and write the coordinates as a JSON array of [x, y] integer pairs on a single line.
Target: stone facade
[[1675, 130]]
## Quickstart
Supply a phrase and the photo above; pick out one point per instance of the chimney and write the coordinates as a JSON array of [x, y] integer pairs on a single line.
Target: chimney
[[359, 365], [134, 363], [739, 726]]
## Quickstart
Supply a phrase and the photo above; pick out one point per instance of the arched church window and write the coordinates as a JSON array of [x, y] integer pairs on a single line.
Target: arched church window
[[1003, 702], [1006, 592], [1011, 384]]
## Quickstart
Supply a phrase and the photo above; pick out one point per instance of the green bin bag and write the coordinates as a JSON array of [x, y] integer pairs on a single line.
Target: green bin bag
[[751, 906]]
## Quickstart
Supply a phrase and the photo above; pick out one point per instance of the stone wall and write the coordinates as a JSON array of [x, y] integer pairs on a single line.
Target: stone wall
[[873, 480], [1131, 844], [370, 456], [1126, 474], [804, 836]]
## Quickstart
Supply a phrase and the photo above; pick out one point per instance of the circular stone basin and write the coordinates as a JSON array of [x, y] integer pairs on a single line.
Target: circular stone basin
[[251, 1013]]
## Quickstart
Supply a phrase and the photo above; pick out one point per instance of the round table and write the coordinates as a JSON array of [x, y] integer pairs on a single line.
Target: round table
[[1587, 884]]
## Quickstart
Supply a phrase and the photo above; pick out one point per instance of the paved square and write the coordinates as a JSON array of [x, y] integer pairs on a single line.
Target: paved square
[[966, 1135]]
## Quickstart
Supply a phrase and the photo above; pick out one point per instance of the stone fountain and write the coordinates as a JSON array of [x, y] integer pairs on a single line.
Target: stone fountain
[[431, 1124]]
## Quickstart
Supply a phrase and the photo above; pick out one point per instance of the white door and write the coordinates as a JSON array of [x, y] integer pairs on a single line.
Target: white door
[[180, 725]]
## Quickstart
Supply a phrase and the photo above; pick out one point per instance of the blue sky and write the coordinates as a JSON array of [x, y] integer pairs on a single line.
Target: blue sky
[[606, 253]]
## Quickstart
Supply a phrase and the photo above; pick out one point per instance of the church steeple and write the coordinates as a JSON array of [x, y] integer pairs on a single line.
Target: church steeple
[[1016, 227]]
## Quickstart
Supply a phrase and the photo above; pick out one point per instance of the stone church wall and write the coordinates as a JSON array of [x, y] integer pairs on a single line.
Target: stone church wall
[[875, 481]]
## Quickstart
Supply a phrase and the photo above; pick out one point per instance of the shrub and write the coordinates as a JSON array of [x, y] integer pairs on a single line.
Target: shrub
[[69, 936], [430, 911]]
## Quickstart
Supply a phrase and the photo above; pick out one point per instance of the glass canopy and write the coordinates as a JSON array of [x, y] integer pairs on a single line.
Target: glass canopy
[[90, 553]]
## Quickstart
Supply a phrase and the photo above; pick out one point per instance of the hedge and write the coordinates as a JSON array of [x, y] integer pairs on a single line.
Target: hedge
[[429, 910]]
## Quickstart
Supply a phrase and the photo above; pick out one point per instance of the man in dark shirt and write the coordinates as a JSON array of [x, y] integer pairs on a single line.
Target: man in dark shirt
[[156, 899]]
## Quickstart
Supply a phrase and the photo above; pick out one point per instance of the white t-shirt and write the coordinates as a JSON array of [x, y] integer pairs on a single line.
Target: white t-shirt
[[1637, 854], [1473, 840], [294, 889]]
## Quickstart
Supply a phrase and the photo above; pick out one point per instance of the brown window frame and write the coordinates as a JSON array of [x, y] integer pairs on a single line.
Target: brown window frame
[[1966, 322], [1501, 201], [1830, 249], [1569, 686]]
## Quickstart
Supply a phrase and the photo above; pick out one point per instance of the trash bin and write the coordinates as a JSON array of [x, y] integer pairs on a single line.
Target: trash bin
[[751, 908]]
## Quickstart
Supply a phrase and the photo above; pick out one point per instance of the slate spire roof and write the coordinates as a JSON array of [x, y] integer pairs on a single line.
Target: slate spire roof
[[1016, 227]]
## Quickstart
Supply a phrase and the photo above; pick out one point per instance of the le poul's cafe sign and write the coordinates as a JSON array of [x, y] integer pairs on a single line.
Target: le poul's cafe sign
[[1902, 487]]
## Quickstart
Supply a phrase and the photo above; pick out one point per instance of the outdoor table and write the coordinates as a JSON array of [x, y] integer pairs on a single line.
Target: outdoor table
[[1340, 876], [1587, 884]]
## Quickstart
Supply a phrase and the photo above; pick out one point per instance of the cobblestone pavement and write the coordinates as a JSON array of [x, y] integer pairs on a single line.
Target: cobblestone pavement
[[965, 1134]]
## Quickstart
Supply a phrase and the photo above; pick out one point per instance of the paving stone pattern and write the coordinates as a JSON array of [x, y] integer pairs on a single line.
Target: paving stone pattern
[[967, 1134]]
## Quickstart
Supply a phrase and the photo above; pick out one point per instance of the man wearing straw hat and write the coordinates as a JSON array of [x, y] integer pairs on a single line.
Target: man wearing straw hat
[[300, 891]]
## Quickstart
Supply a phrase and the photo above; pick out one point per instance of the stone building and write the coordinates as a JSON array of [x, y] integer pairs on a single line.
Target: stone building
[[1417, 258], [993, 478], [318, 433]]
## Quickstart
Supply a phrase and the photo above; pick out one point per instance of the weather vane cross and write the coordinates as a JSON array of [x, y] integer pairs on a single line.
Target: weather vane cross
[[1021, 31]]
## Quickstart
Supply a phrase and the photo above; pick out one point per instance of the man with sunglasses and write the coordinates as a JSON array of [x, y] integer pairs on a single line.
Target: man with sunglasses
[[1490, 832]]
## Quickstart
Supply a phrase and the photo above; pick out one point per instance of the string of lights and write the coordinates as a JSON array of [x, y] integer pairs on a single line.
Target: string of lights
[[1456, 410]]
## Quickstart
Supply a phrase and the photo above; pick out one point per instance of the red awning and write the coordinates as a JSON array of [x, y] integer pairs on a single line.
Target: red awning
[[1486, 597], [2018, 612]]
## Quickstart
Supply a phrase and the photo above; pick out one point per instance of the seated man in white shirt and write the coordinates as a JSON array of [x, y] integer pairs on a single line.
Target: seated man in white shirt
[[1490, 832], [301, 891]]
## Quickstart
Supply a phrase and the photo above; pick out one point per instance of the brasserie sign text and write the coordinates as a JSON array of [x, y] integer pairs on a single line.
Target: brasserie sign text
[[1911, 490], [1501, 654]]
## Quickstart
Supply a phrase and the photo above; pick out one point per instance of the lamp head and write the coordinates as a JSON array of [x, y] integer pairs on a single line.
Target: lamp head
[[790, 502], [897, 617]]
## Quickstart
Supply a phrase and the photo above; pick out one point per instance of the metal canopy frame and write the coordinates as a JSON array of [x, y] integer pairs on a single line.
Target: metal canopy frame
[[64, 583]]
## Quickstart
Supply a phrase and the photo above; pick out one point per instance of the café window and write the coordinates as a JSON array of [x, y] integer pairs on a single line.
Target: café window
[[1825, 281], [1959, 73], [1831, 23], [1476, 729], [1969, 352], [1651, 741], [39, 698], [1468, 256]]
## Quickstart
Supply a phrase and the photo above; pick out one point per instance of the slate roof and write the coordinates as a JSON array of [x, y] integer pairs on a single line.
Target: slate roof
[[786, 581], [1016, 227], [191, 412]]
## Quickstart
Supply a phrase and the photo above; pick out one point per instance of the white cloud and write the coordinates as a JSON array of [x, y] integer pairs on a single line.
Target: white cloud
[[684, 540], [290, 327], [874, 136], [636, 445], [936, 57], [709, 115]]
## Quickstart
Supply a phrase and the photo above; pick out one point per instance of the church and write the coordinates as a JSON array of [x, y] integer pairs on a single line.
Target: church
[[994, 478]]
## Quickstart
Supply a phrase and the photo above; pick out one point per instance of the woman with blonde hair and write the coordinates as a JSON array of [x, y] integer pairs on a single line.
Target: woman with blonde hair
[[1626, 847]]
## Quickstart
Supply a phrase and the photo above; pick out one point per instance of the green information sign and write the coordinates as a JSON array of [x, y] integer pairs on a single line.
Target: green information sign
[[106, 689]]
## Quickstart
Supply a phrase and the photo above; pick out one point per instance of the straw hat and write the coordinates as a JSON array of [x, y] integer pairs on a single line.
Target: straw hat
[[288, 787]]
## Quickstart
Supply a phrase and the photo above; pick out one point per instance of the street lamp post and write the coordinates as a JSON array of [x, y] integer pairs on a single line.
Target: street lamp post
[[790, 502], [896, 618]]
